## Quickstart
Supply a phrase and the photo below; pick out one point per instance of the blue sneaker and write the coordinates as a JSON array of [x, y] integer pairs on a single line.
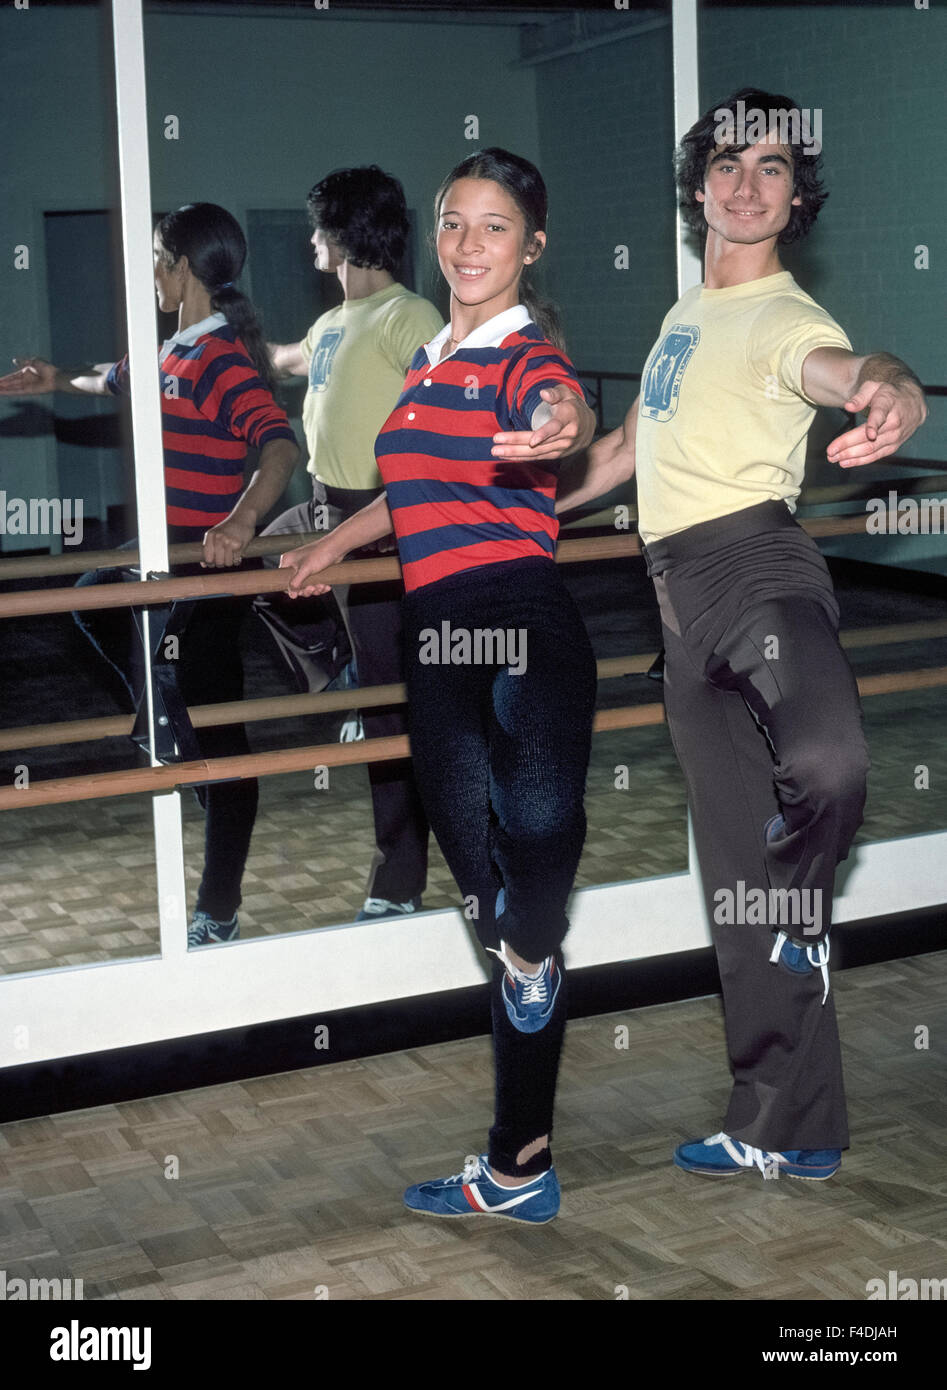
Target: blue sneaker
[[474, 1193], [529, 999], [723, 1157], [801, 958], [347, 679], [375, 908], [204, 931]]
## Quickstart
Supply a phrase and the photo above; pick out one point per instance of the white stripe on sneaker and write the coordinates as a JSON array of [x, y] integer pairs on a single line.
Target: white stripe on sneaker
[[500, 1206]]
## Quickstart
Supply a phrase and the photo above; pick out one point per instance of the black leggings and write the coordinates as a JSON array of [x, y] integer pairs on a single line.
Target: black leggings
[[500, 760], [210, 672]]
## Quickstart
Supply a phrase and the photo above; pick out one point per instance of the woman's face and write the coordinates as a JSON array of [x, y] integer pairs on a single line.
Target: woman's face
[[480, 246], [169, 282]]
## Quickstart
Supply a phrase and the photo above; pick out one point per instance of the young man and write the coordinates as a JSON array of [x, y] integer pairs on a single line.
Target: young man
[[356, 358], [761, 702]]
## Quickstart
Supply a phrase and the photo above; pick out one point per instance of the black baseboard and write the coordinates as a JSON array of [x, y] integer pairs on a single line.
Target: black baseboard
[[211, 1059]]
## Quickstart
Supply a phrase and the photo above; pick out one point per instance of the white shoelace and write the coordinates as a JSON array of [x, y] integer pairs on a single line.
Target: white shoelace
[[383, 905], [473, 1168], [745, 1154], [817, 956], [535, 991]]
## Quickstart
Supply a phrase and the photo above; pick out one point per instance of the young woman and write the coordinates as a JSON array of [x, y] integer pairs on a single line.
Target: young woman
[[498, 665], [216, 398]]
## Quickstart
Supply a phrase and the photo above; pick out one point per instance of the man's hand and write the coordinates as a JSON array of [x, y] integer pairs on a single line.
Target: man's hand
[[306, 561], [879, 383], [568, 430], [34, 377], [225, 543], [894, 413]]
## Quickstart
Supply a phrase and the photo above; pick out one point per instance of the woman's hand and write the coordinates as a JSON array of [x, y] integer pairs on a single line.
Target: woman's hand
[[34, 377], [306, 561], [225, 543], [566, 427]]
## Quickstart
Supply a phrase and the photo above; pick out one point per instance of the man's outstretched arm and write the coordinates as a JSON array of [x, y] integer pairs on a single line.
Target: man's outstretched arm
[[288, 359], [879, 383], [610, 461]]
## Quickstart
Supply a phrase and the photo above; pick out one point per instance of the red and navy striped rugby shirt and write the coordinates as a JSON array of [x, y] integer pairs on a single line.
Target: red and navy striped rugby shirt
[[213, 404], [453, 505]]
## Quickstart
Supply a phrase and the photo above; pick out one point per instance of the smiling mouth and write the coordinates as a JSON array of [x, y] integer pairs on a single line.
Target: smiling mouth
[[737, 213], [471, 272]]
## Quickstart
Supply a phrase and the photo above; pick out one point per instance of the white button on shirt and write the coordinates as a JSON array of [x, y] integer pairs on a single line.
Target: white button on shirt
[[489, 335]]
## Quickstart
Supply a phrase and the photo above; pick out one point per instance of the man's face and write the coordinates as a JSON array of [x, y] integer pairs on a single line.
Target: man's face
[[329, 254], [748, 196]]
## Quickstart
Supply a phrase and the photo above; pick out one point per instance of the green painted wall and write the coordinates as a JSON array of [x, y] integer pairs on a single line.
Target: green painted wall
[[877, 74], [266, 104], [265, 107]]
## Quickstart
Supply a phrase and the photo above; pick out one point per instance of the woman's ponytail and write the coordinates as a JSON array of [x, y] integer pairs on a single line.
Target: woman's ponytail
[[544, 313], [239, 312]]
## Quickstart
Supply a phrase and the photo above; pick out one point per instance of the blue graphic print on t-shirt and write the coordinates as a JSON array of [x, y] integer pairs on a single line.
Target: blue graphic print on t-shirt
[[321, 364], [661, 382]]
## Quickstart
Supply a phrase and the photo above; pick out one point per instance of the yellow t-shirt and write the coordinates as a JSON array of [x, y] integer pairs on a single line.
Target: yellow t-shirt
[[358, 355], [723, 418]]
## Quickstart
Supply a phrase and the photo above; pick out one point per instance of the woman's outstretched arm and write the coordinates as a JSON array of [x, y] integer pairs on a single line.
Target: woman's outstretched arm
[[370, 524]]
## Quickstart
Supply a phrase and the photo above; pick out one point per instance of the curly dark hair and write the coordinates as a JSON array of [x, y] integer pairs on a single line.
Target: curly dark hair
[[690, 162], [364, 210]]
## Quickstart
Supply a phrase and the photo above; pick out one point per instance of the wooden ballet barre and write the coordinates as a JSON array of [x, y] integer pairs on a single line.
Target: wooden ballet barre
[[83, 561], [204, 716], [273, 707], [217, 583], [893, 633], [91, 786], [224, 583], [228, 583], [900, 682], [79, 561], [870, 487], [270, 707]]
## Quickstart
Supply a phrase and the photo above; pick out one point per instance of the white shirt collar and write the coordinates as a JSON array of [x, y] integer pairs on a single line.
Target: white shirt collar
[[489, 334], [189, 336]]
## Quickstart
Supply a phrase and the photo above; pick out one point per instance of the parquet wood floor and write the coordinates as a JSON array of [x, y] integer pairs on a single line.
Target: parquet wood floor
[[289, 1185]]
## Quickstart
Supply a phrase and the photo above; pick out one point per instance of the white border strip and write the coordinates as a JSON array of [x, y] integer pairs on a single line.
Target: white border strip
[[686, 112], [70, 1012], [135, 183]]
